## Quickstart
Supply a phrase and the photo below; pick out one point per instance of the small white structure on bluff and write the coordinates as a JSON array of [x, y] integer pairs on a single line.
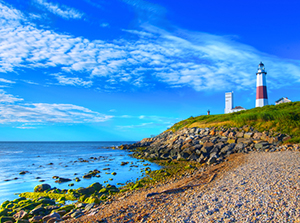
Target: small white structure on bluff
[[229, 104], [282, 100]]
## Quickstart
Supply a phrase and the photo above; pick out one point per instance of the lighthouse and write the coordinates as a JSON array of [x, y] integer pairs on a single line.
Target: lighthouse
[[261, 86]]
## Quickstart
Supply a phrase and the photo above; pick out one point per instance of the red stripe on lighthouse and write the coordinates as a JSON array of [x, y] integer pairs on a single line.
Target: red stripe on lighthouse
[[261, 92]]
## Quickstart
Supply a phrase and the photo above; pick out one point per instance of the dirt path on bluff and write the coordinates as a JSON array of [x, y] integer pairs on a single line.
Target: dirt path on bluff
[[255, 187]]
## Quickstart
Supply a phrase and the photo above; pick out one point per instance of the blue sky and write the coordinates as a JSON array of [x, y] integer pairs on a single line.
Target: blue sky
[[90, 70]]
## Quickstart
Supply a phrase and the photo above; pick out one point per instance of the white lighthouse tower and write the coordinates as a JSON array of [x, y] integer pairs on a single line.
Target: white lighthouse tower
[[261, 86]]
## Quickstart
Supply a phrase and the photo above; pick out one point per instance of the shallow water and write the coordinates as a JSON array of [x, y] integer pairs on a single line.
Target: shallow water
[[47, 159]]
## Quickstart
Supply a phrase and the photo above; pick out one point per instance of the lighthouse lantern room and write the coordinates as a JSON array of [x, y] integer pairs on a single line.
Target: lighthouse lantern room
[[261, 86]]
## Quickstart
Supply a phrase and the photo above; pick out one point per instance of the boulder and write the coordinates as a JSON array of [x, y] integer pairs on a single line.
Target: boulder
[[219, 145], [36, 219], [257, 136], [20, 215], [260, 145], [239, 135], [245, 141], [227, 148], [42, 188], [223, 139], [189, 150], [193, 157], [46, 201], [37, 210], [248, 135], [231, 140], [55, 216], [212, 160], [86, 191], [182, 155], [239, 146], [62, 180], [231, 135], [207, 146], [6, 219]]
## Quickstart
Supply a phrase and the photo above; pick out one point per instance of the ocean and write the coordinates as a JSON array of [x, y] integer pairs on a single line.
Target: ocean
[[43, 160]]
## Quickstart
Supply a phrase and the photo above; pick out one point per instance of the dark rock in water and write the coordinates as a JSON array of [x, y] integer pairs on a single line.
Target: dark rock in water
[[62, 180], [92, 173], [86, 191], [42, 188]]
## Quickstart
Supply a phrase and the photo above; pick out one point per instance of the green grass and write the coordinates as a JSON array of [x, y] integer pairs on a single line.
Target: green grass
[[284, 118]]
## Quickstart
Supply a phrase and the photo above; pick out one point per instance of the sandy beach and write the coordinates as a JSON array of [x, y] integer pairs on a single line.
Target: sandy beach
[[254, 187]]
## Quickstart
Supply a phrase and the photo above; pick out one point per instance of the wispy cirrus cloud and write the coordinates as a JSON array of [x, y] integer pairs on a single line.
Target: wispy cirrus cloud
[[7, 81], [146, 121], [26, 127], [12, 111], [8, 98], [60, 10], [75, 81], [198, 60]]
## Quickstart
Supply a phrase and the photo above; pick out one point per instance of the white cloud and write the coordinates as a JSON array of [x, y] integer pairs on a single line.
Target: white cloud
[[60, 10], [8, 98], [197, 60], [75, 81], [7, 81], [49, 113], [30, 82], [12, 112], [105, 24], [26, 127]]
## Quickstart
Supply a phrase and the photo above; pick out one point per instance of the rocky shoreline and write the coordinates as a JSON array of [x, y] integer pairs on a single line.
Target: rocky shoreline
[[208, 145], [194, 149]]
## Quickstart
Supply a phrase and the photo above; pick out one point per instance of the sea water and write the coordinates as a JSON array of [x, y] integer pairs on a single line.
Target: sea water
[[43, 160]]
